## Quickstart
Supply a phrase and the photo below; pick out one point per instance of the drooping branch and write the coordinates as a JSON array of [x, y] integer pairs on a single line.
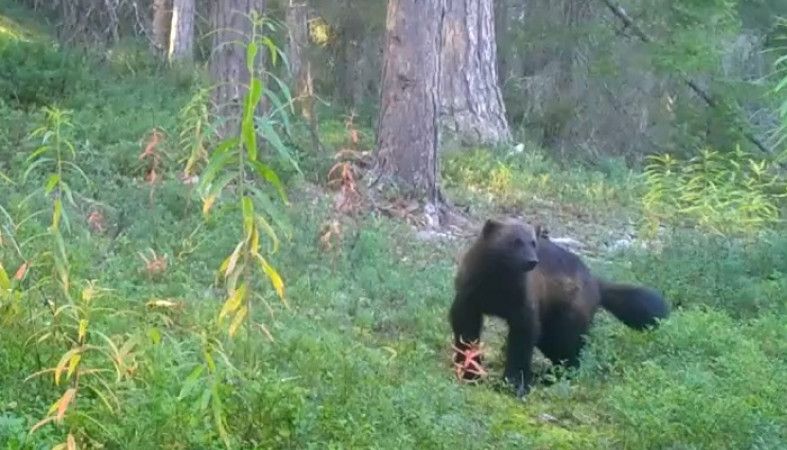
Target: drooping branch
[[629, 23]]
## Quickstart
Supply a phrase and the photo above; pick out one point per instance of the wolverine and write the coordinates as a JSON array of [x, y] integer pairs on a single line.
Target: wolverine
[[546, 295]]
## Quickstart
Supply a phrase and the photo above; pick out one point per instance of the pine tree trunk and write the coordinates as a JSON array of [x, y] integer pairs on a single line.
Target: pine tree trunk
[[472, 104], [407, 130], [231, 27], [181, 37]]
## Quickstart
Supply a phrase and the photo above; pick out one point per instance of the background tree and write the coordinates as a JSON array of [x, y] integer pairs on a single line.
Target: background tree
[[471, 101], [407, 131], [162, 20], [297, 16], [181, 37], [299, 57], [232, 25]]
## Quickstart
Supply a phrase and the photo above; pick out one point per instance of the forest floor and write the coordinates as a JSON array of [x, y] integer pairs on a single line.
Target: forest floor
[[361, 358]]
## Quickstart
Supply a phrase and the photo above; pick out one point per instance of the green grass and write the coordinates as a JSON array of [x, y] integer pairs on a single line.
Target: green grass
[[361, 360]]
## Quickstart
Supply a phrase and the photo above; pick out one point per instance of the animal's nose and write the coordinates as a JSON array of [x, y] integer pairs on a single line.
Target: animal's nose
[[530, 265]]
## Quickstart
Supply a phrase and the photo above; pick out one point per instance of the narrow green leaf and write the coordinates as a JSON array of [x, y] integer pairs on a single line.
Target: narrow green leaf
[[51, 183], [37, 152], [271, 177], [271, 136], [269, 231], [217, 414], [77, 169], [217, 186], [279, 106], [34, 165], [251, 54], [272, 210], [220, 158], [251, 100], [248, 213], [273, 50]]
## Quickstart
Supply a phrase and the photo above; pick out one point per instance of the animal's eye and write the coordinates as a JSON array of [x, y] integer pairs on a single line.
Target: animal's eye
[[533, 243]]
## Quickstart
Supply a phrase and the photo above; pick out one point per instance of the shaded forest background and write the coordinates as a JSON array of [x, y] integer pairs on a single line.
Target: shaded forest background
[[575, 78]]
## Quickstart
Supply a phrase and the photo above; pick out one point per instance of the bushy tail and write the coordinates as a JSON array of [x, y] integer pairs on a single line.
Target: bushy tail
[[637, 307]]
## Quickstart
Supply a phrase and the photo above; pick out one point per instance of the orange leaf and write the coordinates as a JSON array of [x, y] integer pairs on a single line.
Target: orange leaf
[[21, 271], [64, 401]]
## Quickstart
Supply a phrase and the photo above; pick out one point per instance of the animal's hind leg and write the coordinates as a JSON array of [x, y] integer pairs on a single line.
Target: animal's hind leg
[[520, 342], [563, 338]]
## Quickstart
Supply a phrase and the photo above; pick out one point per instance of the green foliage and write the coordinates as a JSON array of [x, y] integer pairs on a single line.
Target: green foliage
[[234, 158], [36, 73], [703, 381], [721, 192], [526, 179]]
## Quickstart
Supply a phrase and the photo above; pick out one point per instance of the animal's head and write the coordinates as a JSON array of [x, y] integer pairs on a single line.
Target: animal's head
[[512, 243]]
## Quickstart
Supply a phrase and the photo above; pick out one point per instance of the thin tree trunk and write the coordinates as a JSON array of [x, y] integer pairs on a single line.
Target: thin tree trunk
[[407, 130], [297, 45], [297, 17], [502, 18], [472, 106], [232, 27], [181, 37], [162, 12], [349, 72]]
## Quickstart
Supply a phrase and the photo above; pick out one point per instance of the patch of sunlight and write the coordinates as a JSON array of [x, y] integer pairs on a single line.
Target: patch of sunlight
[[13, 30], [320, 31]]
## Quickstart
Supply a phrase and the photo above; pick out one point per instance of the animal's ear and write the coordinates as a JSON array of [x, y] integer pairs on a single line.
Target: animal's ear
[[490, 227], [542, 231]]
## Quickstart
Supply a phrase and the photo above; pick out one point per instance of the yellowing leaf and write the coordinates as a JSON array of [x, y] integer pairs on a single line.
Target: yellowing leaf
[[155, 335], [232, 260], [273, 275], [82, 329], [234, 301], [57, 212], [238, 320], [64, 360], [72, 364], [207, 204], [40, 424], [5, 282], [161, 304], [255, 240]]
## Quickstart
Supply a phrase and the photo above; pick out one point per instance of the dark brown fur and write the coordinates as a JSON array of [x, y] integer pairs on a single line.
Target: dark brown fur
[[545, 293]]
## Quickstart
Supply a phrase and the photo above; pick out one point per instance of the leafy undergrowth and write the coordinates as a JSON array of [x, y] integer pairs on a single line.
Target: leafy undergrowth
[[361, 358]]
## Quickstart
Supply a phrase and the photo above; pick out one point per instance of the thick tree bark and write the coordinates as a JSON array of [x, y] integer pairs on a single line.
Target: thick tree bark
[[407, 130], [162, 12], [181, 36], [472, 106], [232, 26]]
